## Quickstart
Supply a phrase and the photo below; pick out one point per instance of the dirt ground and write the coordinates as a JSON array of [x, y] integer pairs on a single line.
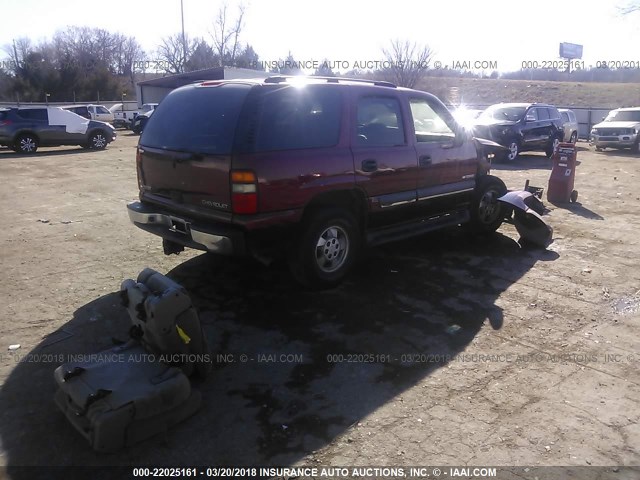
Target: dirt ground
[[441, 350]]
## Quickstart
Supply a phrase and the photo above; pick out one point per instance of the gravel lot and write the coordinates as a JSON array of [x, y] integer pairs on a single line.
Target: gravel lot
[[441, 350]]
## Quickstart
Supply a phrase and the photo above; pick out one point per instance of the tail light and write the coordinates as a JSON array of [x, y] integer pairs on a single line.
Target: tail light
[[4, 123], [244, 192], [139, 168]]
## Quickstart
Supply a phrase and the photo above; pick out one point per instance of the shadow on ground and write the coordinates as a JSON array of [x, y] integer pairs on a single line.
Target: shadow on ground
[[579, 209], [8, 153], [316, 363], [536, 161]]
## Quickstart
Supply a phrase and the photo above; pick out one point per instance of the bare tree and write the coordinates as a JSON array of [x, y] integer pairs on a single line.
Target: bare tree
[[18, 51], [406, 63], [172, 52], [226, 34]]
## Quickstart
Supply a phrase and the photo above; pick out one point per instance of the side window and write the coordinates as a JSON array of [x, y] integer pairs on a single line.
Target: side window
[[565, 117], [101, 110], [293, 118], [34, 114], [429, 126], [572, 116], [532, 115], [543, 114], [379, 122], [553, 113]]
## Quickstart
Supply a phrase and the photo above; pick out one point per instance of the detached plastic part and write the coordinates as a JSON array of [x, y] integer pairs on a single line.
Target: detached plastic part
[[530, 225]]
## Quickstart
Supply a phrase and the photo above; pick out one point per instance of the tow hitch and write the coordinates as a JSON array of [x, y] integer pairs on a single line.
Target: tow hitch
[[170, 247]]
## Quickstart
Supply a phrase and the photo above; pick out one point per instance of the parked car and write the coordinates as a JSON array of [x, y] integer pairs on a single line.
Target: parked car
[[92, 112], [307, 169], [620, 129], [521, 127], [569, 125], [26, 129], [125, 118], [140, 121]]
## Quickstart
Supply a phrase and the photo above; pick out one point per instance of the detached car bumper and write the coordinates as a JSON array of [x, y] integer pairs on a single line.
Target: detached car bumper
[[617, 141], [219, 239]]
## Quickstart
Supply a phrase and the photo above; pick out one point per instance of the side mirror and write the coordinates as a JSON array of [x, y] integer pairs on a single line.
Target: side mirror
[[530, 118]]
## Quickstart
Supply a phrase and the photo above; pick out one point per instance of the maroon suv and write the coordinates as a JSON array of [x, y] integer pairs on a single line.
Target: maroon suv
[[308, 168]]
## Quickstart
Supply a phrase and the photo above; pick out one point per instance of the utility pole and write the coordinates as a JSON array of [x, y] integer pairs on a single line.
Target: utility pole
[[184, 42]]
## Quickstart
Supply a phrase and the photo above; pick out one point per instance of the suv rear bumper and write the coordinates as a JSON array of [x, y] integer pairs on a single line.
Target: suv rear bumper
[[220, 239]]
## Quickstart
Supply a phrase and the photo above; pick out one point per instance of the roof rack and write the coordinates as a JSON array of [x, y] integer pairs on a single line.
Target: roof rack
[[285, 78]]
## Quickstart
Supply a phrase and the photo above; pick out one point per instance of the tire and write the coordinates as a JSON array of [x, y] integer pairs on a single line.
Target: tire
[[487, 213], [514, 150], [98, 140], [326, 250], [574, 137], [636, 146], [26, 143], [552, 148]]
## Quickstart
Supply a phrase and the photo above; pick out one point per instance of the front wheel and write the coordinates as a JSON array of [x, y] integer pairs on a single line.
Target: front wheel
[[574, 137], [326, 250], [98, 141], [514, 150], [487, 213]]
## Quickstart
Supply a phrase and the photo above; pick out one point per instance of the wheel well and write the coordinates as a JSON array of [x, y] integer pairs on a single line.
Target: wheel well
[[351, 200], [26, 132], [96, 130]]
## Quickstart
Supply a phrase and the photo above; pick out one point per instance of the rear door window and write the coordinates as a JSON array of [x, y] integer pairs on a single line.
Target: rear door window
[[39, 114], [199, 119], [379, 122], [543, 114], [565, 117]]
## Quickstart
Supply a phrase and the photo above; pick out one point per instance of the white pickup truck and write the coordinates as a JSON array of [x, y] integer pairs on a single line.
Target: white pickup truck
[[92, 112], [125, 118]]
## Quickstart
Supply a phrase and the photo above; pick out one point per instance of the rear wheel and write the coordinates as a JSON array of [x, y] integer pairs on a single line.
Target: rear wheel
[[26, 143], [326, 250], [487, 213], [574, 137], [552, 147], [98, 140]]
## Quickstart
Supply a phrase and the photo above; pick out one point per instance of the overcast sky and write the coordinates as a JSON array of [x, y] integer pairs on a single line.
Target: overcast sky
[[506, 32]]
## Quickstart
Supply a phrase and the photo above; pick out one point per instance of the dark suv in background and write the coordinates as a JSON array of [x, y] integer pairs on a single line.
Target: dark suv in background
[[26, 129], [307, 169], [521, 127]]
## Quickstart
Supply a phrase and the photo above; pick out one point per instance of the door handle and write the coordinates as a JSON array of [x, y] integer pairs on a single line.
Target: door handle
[[369, 165], [424, 160]]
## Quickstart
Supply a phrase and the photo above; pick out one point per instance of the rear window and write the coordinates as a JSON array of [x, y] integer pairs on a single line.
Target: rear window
[[34, 114], [289, 118], [196, 119]]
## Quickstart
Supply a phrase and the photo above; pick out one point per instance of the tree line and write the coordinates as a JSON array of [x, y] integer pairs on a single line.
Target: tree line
[[88, 64]]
